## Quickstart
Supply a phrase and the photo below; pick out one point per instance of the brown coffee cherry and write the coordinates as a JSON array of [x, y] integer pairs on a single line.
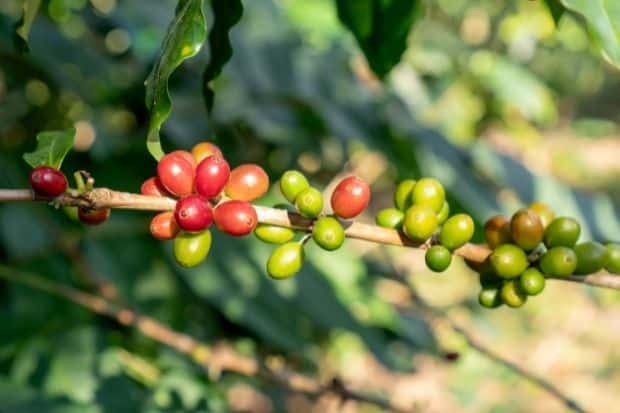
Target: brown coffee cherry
[[526, 229], [497, 231]]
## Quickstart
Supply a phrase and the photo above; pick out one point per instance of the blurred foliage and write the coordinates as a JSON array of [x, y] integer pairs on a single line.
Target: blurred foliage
[[295, 93]]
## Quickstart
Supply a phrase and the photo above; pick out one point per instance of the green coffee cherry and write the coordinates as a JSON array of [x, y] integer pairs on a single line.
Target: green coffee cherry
[[292, 183], [429, 192], [489, 297], [512, 294], [286, 260], [457, 231], [402, 194], [309, 202], [328, 233], [508, 261], [532, 282], [558, 262], [544, 212], [390, 218], [526, 229], [591, 257], [438, 258], [562, 232], [273, 234], [613, 258], [444, 213], [420, 223], [71, 212], [192, 248]]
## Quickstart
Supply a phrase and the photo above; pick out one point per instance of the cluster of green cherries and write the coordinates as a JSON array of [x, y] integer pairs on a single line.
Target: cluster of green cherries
[[421, 212], [534, 245], [349, 199]]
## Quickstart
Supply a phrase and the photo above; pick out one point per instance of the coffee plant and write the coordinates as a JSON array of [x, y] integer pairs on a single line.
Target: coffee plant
[[259, 238]]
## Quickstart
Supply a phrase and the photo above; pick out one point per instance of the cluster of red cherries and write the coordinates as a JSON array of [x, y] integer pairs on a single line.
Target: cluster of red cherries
[[208, 191]]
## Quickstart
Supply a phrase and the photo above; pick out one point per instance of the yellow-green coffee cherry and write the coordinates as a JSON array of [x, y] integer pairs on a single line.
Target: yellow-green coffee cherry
[[444, 213], [292, 183], [192, 248], [438, 258], [328, 233], [420, 223], [591, 257], [429, 192], [489, 297], [390, 218], [512, 294], [558, 262], [562, 232], [286, 260], [273, 234], [532, 282], [402, 194], [544, 212], [526, 229], [309, 202], [613, 258], [457, 231], [508, 261]]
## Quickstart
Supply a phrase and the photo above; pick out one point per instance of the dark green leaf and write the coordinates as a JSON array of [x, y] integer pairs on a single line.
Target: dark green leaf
[[556, 9], [226, 14], [22, 27], [381, 28], [185, 36], [52, 147], [603, 20]]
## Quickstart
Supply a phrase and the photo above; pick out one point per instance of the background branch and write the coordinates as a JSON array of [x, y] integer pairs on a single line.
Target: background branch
[[107, 198], [215, 359], [432, 313]]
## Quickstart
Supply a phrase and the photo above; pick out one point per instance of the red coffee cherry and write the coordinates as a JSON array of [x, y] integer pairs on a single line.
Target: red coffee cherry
[[176, 174], [153, 187], [203, 150], [211, 176], [187, 156], [164, 227], [193, 213], [247, 182], [93, 216], [47, 181], [236, 218], [350, 197]]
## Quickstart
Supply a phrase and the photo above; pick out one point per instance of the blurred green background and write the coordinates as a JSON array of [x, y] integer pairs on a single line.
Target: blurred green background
[[495, 99]]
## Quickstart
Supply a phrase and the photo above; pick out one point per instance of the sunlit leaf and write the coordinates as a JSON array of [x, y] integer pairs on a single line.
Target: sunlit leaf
[[226, 14], [603, 20], [184, 38], [52, 147]]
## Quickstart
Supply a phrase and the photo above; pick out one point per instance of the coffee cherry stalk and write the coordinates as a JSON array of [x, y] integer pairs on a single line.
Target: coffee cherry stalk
[[527, 249]]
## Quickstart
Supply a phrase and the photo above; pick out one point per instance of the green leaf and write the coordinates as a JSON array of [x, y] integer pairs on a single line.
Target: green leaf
[[185, 36], [52, 147], [381, 28], [226, 14], [19, 398], [603, 20], [556, 9], [22, 27]]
